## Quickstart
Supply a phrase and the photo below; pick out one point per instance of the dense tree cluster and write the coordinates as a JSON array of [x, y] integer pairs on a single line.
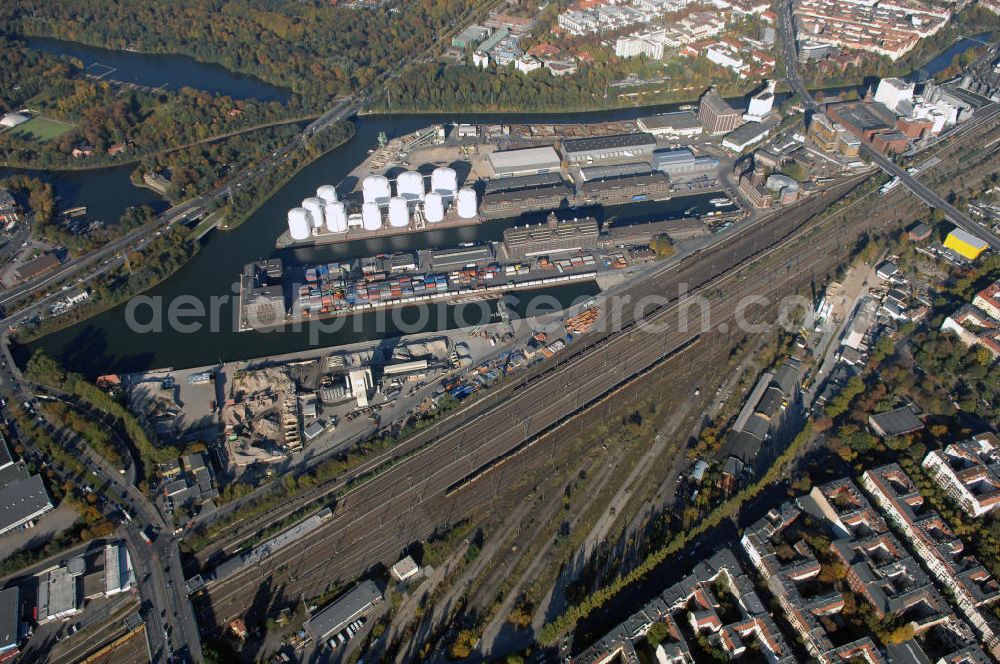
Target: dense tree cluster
[[454, 87], [103, 114], [199, 169], [318, 49]]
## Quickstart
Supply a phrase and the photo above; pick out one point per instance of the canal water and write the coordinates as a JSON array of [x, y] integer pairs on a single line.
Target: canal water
[[106, 343], [105, 192], [169, 71]]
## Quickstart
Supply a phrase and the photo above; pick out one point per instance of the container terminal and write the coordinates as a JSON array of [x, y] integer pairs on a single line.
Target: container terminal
[[451, 176], [530, 256]]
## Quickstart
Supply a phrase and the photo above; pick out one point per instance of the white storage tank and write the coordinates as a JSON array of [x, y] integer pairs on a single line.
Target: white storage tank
[[399, 214], [444, 180], [410, 185], [433, 207], [371, 216], [375, 189], [315, 207], [466, 203], [336, 217], [299, 223], [327, 192]]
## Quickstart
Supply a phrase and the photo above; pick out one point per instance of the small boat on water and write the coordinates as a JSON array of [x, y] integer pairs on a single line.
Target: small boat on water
[[720, 202], [686, 107]]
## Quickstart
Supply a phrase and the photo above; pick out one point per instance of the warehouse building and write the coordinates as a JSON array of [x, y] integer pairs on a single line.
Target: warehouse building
[[118, 573], [10, 622], [459, 257], [746, 135], [588, 173], [517, 182], [23, 497], [682, 124], [552, 237], [607, 148], [622, 189], [538, 198], [715, 113], [333, 619], [57, 594], [525, 161], [682, 164], [965, 244]]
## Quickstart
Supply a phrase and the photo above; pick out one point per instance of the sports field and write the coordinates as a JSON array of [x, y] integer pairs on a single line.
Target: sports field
[[42, 129]]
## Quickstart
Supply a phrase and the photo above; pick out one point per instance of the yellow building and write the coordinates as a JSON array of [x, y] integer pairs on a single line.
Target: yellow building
[[965, 244]]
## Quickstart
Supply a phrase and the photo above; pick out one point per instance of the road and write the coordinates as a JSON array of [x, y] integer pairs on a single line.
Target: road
[[786, 36], [168, 611], [376, 520], [92, 265]]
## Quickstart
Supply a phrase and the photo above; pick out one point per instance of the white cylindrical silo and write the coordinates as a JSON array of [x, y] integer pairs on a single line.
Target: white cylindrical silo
[[433, 207], [410, 185], [327, 192], [315, 207], [466, 203], [371, 217], [444, 180], [336, 217], [375, 189], [399, 214], [299, 223]]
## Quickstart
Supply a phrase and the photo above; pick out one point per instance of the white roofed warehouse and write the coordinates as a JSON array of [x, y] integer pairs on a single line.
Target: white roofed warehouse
[[525, 161]]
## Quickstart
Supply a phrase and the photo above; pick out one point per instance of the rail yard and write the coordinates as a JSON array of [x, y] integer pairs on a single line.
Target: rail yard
[[407, 501]]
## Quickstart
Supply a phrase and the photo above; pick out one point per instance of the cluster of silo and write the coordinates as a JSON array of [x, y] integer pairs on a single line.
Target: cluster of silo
[[334, 210], [326, 209], [316, 213]]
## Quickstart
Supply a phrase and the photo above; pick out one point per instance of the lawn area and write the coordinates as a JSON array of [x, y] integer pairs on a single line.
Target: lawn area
[[42, 129]]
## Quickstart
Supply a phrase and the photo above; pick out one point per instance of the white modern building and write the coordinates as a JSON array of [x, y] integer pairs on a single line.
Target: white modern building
[[118, 573], [892, 92], [969, 472]]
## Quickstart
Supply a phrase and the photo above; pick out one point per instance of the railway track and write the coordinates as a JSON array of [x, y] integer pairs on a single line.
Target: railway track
[[377, 519], [498, 394]]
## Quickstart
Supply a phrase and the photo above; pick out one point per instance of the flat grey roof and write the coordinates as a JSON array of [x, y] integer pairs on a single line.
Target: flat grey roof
[[513, 183], [676, 120], [897, 422], [13, 473], [605, 142], [22, 500], [10, 618], [342, 612], [524, 159], [56, 593], [616, 170], [678, 156], [5, 458], [747, 132], [441, 258], [534, 193]]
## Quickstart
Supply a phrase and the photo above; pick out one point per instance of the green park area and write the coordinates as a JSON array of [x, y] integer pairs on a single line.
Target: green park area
[[40, 128]]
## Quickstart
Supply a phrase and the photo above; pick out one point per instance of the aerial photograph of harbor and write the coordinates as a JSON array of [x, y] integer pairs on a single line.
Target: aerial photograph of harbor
[[600, 331]]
